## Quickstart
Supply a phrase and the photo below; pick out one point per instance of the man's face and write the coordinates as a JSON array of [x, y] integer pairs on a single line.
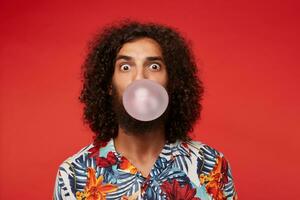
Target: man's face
[[139, 59]]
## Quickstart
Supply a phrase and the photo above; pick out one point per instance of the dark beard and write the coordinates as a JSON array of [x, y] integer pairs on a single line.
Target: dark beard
[[131, 125]]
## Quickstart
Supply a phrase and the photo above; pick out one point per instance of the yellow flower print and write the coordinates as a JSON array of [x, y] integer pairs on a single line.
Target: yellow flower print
[[215, 180], [127, 166], [94, 189], [132, 197]]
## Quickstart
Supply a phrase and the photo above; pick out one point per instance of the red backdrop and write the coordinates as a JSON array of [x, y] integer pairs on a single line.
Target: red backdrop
[[248, 56]]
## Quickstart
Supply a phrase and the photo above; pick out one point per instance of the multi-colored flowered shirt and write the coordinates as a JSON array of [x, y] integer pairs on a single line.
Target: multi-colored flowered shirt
[[183, 171]]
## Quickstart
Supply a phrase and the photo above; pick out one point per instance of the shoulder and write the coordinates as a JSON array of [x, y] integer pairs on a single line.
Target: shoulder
[[66, 181], [213, 169], [202, 150], [78, 161], [208, 158], [83, 152], [205, 158], [87, 157]]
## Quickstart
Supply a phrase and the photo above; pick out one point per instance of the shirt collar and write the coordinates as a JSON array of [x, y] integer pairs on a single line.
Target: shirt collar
[[169, 151], [178, 148]]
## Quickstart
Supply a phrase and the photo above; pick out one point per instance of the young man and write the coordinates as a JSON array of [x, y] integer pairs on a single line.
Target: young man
[[133, 159]]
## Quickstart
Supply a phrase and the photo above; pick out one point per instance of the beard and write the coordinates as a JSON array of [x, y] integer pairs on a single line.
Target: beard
[[131, 125]]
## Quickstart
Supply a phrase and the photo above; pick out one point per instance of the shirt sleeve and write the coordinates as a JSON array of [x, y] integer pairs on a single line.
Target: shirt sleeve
[[216, 175], [226, 181], [63, 184]]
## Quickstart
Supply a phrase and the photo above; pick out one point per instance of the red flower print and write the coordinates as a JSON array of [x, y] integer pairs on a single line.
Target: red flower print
[[127, 166], [217, 178], [174, 191], [110, 160], [95, 189], [186, 147], [94, 152]]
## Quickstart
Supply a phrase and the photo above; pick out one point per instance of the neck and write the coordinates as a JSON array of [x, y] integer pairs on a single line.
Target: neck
[[139, 147]]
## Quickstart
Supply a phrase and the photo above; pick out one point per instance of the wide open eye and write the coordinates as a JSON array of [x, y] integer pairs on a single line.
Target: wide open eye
[[154, 67], [125, 67]]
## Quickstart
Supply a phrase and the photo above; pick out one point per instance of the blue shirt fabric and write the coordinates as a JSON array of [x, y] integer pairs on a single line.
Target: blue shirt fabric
[[183, 170]]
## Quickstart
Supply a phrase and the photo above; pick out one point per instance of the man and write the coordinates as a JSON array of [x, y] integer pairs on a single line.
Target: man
[[133, 159]]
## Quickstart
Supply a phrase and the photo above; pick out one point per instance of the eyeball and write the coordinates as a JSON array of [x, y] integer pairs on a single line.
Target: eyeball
[[155, 64], [125, 65]]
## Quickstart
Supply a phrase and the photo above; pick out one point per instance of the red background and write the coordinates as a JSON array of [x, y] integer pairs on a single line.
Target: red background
[[248, 53]]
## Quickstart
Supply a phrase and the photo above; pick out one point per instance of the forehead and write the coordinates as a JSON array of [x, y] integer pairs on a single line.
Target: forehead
[[141, 46]]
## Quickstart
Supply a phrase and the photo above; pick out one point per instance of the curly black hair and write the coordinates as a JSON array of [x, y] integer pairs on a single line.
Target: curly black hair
[[184, 87]]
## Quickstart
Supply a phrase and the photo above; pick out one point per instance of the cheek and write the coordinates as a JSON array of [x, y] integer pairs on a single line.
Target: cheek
[[162, 79], [120, 83], [165, 79], [120, 88]]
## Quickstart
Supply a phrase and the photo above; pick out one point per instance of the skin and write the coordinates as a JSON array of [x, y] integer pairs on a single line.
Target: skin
[[139, 59]]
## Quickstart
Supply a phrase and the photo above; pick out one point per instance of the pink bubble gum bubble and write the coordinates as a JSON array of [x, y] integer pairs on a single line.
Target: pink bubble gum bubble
[[145, 100]]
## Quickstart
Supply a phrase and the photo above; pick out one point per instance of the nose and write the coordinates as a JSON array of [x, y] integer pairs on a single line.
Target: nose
[[140, 73]]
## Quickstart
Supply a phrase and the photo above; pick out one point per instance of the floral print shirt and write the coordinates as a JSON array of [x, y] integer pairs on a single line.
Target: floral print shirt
[[183, 171]]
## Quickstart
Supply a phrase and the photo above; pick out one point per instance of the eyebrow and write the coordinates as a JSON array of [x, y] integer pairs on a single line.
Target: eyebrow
[[150, 58]]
